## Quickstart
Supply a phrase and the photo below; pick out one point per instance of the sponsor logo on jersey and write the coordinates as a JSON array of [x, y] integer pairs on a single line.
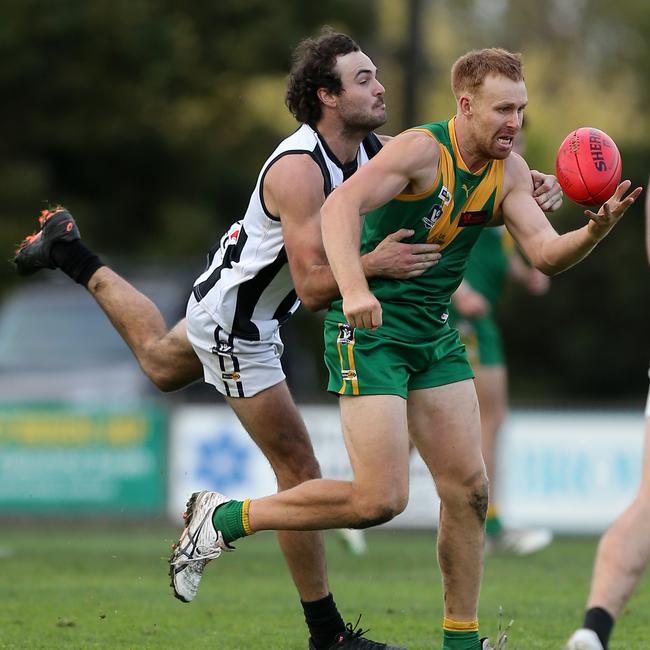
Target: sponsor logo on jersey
[[346, 334], [349, 375], [477, 218], [233, 376], [222, 347], [433, 216]]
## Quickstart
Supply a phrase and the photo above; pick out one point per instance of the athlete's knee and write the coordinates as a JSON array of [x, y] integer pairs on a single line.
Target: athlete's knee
[[458, 495], [372, 510], [166, 379], [478, 499], [169, 367]]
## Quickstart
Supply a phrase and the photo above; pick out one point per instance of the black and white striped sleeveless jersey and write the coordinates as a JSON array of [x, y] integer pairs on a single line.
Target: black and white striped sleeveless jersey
[[247, 287]]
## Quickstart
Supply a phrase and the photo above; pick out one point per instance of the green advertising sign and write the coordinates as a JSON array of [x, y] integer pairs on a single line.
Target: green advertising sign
[[83, 459]]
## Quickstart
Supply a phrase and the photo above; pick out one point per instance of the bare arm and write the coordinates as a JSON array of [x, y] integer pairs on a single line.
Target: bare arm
[[293, 190], [408, 162], [547, 250]]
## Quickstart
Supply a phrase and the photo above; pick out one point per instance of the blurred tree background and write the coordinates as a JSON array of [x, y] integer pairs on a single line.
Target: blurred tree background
[[149, 119]]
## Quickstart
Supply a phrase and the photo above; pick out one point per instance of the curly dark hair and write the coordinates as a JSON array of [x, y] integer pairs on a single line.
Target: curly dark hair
[[313, 63]]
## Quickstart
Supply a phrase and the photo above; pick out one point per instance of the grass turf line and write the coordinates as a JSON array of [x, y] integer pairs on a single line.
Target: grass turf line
[[85, 587]]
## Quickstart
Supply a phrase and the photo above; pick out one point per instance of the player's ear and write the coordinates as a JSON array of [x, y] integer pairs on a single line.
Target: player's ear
[[465, 102], [326, 97]]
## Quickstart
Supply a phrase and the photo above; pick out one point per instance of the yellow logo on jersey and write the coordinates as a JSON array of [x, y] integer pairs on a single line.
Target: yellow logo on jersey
[[467, 188]]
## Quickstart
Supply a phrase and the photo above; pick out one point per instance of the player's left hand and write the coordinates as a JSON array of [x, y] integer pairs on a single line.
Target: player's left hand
[[613, 209], [547, 191]]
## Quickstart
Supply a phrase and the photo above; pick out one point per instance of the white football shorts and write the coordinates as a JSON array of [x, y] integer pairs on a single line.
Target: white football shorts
[[235, 367]]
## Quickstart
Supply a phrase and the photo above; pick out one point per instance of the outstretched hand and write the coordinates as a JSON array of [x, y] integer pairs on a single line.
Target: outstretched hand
[[395, 259], [613, 209]]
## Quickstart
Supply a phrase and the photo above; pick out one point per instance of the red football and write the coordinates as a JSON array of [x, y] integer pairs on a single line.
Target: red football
[[588, 166]]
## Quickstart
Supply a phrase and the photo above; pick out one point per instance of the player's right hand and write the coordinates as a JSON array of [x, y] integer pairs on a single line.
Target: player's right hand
[[362, 310], [395, 259]]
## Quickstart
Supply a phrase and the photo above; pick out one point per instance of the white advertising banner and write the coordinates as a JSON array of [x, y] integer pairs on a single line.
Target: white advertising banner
[[570, 471], [573, 472]]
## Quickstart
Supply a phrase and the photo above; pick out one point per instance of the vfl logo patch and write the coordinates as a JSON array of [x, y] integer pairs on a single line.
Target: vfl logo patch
[[477, 218], [234, 376], [222, 347], [433, 216], [346, 334], [445, 195], [444, 317], [349, 375]]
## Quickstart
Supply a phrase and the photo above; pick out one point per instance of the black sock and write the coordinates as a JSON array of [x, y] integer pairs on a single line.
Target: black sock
[[601, 622], [323, 620], [75, 260]]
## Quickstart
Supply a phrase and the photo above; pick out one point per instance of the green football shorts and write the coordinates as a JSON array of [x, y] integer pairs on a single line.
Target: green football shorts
[[362, 363], [482, 339]]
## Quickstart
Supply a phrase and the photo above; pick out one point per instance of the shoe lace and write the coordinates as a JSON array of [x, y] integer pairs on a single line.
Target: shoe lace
[[355, 632]]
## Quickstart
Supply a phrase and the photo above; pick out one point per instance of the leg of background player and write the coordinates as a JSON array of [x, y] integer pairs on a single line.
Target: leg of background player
[[492, 388], [623, 554]]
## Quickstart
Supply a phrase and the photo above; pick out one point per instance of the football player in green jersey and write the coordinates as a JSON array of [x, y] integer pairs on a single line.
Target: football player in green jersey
[[446, 181], [398, 366], [494, 262]]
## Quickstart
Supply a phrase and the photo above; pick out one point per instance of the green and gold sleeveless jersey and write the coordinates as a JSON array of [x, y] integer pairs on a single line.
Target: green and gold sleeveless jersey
[[487, 268], [451, 213]]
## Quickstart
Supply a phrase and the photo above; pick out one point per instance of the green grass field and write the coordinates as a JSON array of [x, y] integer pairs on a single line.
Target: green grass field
[[90, 587]]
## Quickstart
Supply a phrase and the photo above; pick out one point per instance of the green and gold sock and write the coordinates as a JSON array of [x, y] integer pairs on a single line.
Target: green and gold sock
[[493, 525], [231, 518], [460, 635]]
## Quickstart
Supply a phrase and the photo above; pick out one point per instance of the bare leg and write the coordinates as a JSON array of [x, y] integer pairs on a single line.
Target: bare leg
[[624, 550], [376, 437], [166, 356], [492, 389], [274, 423], [445, 427]]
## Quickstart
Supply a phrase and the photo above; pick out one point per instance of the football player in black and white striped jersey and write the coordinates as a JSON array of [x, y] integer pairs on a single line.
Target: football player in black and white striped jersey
[[257, 274]]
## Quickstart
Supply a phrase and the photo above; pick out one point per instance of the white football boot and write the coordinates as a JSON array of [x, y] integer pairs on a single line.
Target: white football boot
[[198, 544], [520, 541], [584, 639], [354, 540]]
